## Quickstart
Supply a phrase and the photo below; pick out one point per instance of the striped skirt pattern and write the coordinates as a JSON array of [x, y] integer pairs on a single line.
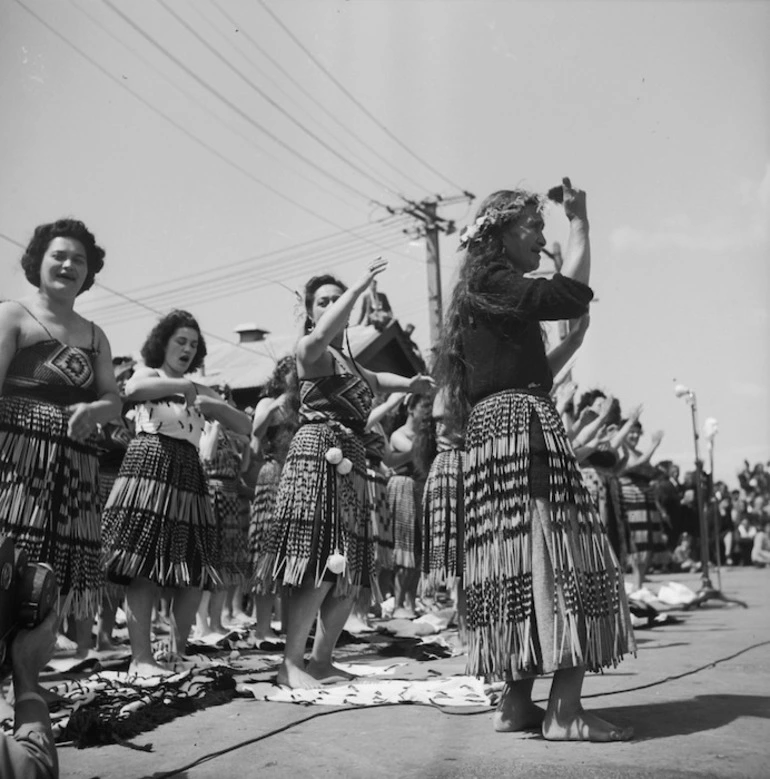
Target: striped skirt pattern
[[443, 508], [405, 505], [232, 535], [382, 523], [262, 508], [318, 511], [158, 522], [640, 517], [544, 589], [49, 498]]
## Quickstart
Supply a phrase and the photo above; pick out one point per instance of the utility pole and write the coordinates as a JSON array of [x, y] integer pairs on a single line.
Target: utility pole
[[429, 227]]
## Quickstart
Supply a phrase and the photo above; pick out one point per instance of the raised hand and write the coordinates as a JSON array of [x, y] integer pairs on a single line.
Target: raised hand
[[376, 266], [81, 423], [574, 201]]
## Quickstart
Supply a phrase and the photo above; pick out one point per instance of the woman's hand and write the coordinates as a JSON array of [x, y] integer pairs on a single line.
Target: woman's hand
[[376, 266], [574, 201], [81, 423], [421, 384], [657, 437], [206, 404]]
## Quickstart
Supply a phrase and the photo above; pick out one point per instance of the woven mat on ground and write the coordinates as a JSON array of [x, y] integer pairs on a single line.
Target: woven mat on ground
[[373, 690], [110, 706]]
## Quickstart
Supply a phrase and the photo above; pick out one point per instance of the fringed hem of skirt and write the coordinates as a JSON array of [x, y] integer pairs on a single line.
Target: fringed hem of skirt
[[544, 588]]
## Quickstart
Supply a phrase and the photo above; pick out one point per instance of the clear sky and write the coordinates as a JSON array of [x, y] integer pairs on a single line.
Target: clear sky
[[198, 140]]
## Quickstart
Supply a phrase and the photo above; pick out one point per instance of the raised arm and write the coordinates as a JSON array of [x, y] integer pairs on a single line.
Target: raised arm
[[617, 440], [646, 456], [562, 353], [378, 413], [264, 414], [312, 346], [215, 409], [577, 257]]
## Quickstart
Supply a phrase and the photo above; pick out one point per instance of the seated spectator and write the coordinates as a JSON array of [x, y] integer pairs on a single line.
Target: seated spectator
[[31, 752], [681, 557], [742, 543], [760, 550]]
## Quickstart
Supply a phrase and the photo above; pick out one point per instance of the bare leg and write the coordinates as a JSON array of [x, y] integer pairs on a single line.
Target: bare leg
[[106, 624], [516, 711], [183, 608], [202, 627], [140, 597], [235, 604], [263, 606], [216, 604], [567, 720], [403, 608], [331, 621], [303, 604]]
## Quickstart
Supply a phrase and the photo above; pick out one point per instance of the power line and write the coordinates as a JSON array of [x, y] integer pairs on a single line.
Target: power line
[[353, 98], [203, 295], [224, 279], [271, 255], [277, 106], [213, 114], [173, 122], [232, 106], [312, 98]]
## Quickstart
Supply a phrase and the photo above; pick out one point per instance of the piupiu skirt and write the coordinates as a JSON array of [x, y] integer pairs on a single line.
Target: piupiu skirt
[[232, 533], [405, 506], [544, 589], [158, 522], [49, 498], [319, 511], [381, 520], [443, 509], [262, 510]]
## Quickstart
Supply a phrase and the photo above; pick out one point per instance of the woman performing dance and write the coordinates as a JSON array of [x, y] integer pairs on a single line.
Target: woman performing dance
[[275, 420], [159, 529], [544, 591], [319, 542], [58, 387]]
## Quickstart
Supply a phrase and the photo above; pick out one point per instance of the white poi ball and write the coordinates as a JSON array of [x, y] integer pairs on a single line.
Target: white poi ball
[[334, 455], [345, 467], [336, 562]]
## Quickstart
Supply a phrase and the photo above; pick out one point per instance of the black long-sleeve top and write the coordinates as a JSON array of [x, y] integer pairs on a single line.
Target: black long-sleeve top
[[506, 351]]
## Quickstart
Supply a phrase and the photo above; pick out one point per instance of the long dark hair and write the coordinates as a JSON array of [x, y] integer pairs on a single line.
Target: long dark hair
[[483, 253]]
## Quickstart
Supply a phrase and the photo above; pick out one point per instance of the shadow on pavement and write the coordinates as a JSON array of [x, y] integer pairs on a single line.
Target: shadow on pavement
[[682, 717]]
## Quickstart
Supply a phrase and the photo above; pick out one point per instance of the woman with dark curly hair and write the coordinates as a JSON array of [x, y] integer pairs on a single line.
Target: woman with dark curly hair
[[544, 590], [319, 545], [159, 529], [58, 388]]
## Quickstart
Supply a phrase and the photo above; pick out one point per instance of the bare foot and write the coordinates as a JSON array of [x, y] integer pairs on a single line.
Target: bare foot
[[404, 613], [358, 624], [104, 644], [509, 719], [328, 673], [583, 726], [147, 670], [296, 678]]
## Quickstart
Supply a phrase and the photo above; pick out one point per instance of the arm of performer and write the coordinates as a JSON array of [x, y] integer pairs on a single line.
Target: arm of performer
[[265, 413], [10, 331], [31, 753], [589, 432], [646, 456], [148, 384], [577, 256], [214, 408], [617, 440], [85, 417], [562, 353], [312, 347], [378, 413], [383, 382]]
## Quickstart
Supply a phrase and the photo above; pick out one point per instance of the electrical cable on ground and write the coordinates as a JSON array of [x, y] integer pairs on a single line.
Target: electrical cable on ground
[[318, 715]]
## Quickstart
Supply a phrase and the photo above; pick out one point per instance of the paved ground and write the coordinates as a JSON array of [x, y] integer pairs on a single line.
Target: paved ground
[[698, 696]]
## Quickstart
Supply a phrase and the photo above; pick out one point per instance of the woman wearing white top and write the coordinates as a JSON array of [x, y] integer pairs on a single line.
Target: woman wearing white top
[[158, 526]]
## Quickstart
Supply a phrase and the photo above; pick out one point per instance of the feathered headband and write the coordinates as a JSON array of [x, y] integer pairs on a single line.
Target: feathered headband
[[494, 217]]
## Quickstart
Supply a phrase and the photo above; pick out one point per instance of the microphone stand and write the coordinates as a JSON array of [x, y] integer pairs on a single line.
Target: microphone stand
[[707, 590]]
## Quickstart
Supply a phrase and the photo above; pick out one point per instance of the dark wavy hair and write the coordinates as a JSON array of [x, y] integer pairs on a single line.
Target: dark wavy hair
[[312, 286], [482, 255], [154, 348], [62, 228]]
